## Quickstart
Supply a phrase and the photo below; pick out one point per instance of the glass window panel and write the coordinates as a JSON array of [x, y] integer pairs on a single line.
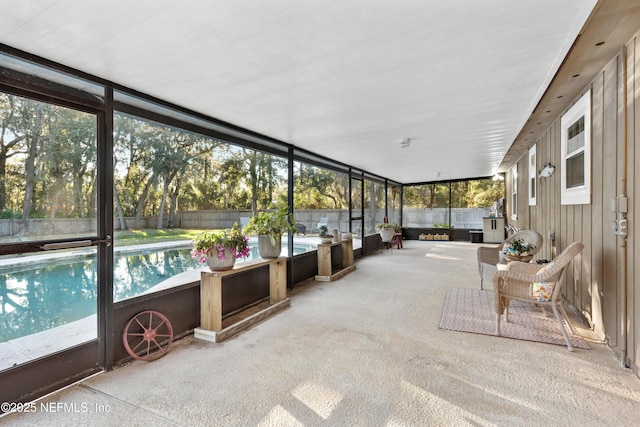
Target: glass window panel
[[321, 198], [171, 184], [426, 205], [532, 187], [514, 191], [393, 204], [47, 171], [575, 171], [472, 200], [48, 302], [374, 202], [47, 191], [356, 197]]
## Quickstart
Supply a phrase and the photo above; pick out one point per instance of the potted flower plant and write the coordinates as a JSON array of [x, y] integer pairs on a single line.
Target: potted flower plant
[[269, 226], [387, 230], [518, 250], [325, 236], [220, 248]]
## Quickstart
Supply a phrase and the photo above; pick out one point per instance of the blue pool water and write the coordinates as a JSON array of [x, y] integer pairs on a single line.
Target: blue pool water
[[52, 292]]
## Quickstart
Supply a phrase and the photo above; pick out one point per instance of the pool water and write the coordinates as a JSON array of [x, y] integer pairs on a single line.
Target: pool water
[[48, 293]]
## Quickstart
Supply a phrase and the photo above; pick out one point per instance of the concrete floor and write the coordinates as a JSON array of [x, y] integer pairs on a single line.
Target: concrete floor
[[364, 350]]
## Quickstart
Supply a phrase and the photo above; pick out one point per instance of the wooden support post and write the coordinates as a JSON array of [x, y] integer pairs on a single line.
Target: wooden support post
[[347, 253], [324, 259], [277, 281], [211, 301]]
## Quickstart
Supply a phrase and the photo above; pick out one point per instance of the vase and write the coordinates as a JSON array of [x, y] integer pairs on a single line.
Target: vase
[[267, 249], [387, 234], [216, 264]]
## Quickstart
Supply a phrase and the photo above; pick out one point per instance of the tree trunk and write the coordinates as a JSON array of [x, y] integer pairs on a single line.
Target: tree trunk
[[116, 197], [3, 173], [173, 203], [142, 200], [253, 176], [91, 209], [165, 192], [77, 190], [30, 168]]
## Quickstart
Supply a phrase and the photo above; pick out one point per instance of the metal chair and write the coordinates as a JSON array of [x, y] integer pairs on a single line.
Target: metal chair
[[323, 222]]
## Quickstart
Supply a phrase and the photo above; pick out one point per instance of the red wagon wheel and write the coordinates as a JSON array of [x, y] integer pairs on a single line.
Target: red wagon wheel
[[148, 335]]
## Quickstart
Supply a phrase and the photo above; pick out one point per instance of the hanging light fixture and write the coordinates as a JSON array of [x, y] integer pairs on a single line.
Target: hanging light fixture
[[547, 171]]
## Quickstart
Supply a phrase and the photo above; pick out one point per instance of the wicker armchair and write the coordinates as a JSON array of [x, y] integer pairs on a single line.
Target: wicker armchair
[[537, 284], [490, 255]]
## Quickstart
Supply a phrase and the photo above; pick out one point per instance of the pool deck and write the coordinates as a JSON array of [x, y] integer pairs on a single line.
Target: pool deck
[[23, 349], [365, 350], [31, 347]]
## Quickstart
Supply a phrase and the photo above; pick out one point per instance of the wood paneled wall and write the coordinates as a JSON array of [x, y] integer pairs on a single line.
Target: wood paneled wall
[[595, 283]]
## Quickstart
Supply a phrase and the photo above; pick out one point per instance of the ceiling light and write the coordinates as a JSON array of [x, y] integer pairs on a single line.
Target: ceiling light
[[404, 143]]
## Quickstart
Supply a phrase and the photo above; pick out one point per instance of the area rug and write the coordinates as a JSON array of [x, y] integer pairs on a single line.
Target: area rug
[[471, 310]]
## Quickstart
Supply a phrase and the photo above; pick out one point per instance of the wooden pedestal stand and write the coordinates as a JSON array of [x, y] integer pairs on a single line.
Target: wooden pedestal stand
[[324, 261], [211, 328]]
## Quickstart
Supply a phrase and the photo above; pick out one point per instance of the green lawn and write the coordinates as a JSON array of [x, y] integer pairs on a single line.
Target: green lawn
[[139, 237]]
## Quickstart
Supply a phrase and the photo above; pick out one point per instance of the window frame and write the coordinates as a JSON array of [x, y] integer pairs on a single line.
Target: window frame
[[532, 181], [578, 195], [514, 192]]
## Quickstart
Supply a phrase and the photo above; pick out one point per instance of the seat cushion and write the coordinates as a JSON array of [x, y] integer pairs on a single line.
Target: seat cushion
[[542, 291]]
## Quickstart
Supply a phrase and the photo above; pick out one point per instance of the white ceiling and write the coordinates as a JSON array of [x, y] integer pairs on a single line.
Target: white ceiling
[[346, 79]]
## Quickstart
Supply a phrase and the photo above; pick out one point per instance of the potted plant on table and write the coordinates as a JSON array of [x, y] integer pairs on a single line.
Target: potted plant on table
[[220, 248], [325, 236], [518, 250], [269, 226], [387, 230]]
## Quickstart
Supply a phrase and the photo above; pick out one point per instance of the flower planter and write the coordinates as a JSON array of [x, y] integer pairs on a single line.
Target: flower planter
[[267, 249], [216, 264], [521, 258], [387, 234]]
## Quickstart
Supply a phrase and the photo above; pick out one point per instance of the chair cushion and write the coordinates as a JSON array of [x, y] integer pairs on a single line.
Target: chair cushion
[[542, 291]]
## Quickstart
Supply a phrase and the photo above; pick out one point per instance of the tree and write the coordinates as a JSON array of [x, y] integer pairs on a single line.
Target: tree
[[34, 119], [319, 188], [12, 138]]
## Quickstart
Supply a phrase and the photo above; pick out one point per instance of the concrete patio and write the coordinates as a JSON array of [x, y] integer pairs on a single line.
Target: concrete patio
[[364, 350]]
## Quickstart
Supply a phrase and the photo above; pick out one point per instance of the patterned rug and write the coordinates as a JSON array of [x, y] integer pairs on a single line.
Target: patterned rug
[[471, 310]]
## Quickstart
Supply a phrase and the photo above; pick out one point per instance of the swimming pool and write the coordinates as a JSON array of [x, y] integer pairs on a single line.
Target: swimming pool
[[49, 292]]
